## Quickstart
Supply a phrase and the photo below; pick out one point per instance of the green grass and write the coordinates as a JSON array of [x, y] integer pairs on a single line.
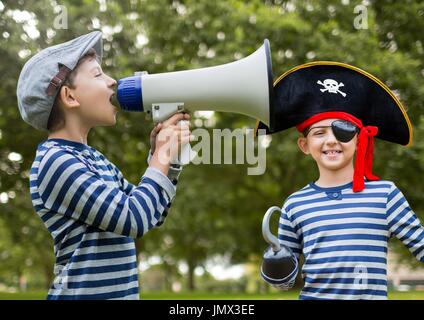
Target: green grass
[[290, 295], [406, 295], [23, 296]]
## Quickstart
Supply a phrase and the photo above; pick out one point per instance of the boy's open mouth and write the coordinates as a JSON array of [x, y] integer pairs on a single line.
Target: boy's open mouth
[[113, 100], [332, 152]]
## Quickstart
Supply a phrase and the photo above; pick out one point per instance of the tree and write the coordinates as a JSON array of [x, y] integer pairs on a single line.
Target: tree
[[218, 209]]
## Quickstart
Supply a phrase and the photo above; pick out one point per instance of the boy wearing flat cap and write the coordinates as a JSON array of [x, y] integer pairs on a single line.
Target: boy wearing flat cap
[[342, 222], [92, 212]]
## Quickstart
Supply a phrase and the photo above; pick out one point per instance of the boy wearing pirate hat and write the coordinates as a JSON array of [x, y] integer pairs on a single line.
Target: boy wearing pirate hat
[[342, 222], [92, 212]]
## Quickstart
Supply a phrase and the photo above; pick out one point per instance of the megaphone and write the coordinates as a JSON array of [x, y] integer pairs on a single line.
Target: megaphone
[[244, 86]]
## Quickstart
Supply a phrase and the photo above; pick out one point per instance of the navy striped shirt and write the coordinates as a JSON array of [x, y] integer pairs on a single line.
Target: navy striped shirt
[[344, 237], [93, 215]]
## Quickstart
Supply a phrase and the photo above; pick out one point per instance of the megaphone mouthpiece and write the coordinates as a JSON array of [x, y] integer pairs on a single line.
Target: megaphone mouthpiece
[[129, 94]]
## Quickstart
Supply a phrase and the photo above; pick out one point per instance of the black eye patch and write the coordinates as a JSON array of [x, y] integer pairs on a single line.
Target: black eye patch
[[344, 131]]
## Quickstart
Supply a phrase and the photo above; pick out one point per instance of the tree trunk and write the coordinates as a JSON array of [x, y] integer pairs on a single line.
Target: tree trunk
[[167, 268], [48, 275], [191, 266]]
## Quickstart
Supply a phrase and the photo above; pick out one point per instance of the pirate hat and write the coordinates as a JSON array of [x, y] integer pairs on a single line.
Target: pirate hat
[[324, 86], [324, 89]]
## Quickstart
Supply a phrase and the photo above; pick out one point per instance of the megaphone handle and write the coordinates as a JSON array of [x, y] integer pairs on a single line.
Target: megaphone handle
[[186, 154], [268, 236], [184, 157]]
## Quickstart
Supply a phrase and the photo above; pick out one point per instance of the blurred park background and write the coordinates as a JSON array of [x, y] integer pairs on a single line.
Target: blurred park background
[[211, 244]]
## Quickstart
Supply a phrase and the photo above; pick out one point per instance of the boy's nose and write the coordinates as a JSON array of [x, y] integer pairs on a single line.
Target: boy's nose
[[331, 139], [112, 82]]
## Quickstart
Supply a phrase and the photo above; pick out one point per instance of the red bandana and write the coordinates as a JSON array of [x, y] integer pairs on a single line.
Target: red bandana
[[365, 148]]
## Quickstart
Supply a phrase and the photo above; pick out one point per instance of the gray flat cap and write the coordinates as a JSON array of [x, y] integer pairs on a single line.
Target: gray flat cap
[[43, 74]]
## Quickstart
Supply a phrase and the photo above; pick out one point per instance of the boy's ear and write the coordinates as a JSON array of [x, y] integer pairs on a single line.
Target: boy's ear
[[303, 145], [68, 98]]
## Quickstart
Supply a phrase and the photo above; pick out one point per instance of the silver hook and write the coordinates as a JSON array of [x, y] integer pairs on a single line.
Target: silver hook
[[268, 236]]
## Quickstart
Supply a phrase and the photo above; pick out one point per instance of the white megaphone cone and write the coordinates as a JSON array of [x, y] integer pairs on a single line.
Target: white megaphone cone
[[244, 86]]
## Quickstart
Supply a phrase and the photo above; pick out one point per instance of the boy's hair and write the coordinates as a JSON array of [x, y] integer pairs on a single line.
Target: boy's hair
[[304, 132], [57, 117]]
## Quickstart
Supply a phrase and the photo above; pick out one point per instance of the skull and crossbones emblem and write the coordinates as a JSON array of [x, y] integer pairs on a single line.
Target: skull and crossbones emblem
[[331, 86]]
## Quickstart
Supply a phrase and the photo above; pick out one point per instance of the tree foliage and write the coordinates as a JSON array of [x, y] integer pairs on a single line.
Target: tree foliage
[[218, 208]]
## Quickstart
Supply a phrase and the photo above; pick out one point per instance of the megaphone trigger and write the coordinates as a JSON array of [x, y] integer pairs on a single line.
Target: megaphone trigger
[[164, 110]]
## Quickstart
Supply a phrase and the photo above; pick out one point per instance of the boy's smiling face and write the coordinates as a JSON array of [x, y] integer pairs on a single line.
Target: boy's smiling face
[[325, 149], [93, 92]]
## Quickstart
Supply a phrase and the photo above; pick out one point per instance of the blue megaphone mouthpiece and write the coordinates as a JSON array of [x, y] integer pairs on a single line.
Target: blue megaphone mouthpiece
[[129, 94]]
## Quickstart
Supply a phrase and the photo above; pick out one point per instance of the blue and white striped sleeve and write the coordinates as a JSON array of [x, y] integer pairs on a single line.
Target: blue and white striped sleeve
[[287, 234], [67, 186], [126, 186], [174, 170], [173, 175], [404, 224], [129, 188]]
